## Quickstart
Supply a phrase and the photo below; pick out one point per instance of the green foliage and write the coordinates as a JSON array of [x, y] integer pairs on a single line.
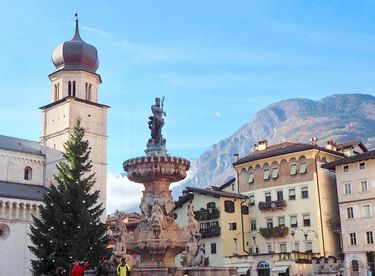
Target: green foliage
[[274, 232], [69, 226]]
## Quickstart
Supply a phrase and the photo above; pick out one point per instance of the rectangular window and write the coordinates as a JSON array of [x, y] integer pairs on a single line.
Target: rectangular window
[[348, 188], [362, 166], [302, 168], [345, 168], [296, 246], [232, 226], [355, 265], [268, 197], [293, 169], [229, 206], [280, 195], [367, 210], [306, 220], [370, 237], [309, 246], [282, 247], [293, 221], [214, 224], [304, 192], [203, 226], [364, 186], [349, 211], [251, 178], [252, 200], [292, 194], [269, 248], [266, 174], [253, 225], [275, 173], [353, 239], [269, 222], [281, 221], [213, 248]]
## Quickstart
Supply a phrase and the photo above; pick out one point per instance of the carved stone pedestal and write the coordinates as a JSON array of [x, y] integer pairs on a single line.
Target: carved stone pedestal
[[158, 239]]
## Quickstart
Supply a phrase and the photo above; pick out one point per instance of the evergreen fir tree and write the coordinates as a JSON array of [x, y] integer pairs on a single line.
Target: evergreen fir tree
[[69, 226]]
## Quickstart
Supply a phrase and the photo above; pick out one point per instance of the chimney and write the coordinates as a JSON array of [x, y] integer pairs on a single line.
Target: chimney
[[331, 145], [236, 157], [314, 141], [262, 145], [255, 148]]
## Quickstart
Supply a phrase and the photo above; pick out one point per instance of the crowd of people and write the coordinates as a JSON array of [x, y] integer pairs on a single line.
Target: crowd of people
[[105, 267]]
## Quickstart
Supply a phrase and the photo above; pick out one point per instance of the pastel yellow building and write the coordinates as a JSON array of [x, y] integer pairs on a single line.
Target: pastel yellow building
[[292, 202], [222, 217]]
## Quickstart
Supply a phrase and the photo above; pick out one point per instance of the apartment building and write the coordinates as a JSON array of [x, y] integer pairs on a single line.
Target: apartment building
[[355, 177], [292, 201], [222, 217]]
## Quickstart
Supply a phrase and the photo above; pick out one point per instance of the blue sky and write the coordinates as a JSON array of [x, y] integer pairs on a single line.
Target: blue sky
[[216, 62]]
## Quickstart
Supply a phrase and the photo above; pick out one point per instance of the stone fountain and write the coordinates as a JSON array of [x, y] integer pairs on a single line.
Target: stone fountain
[[158, 239]]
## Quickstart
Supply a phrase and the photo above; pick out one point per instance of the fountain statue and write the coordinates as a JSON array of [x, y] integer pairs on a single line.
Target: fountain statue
[[158, 239]]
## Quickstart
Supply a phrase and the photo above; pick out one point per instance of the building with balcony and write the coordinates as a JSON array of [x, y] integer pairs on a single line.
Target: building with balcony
[[355, 178], [291, 201], [222, 217]]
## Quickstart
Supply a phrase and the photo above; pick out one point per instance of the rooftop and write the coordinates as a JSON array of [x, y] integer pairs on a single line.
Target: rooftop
[[20, 145], [22, 191], [281, 149], [351, 159]]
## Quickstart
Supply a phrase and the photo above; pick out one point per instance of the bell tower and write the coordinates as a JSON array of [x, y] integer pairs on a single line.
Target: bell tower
[[74, 93]]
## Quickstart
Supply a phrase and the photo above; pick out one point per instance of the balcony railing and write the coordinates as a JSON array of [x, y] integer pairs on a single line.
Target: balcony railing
[[274, 232], [209, 213], [272, 205], [210, 232]]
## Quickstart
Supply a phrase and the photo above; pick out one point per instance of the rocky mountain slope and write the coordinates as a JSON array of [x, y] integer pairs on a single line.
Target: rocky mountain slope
[[341, 117]]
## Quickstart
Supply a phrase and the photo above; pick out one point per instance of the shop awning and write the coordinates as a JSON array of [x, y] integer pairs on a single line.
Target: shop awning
[[280, 269], [242, 270]]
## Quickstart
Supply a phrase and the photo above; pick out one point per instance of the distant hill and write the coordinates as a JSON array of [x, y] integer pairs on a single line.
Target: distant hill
[[341, 117]]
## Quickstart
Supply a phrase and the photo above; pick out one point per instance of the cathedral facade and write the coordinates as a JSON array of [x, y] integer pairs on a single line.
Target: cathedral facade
[[27, 167]]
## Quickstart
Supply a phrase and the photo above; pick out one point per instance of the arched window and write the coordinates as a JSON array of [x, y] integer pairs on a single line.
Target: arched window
[[74, 88], [89, 94], [56, 94], [69, 88], [28, 173]]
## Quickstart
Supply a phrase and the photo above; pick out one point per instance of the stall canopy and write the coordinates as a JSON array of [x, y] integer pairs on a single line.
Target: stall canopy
[[280, 269]]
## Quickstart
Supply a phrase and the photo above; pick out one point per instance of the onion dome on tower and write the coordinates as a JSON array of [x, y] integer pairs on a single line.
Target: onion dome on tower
[[75, 54]]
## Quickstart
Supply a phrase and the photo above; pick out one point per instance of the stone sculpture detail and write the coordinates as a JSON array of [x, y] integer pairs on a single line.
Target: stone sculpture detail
[[156, 145], [194, 253]]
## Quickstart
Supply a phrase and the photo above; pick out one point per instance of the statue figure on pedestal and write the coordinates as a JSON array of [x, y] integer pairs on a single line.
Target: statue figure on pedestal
[[156, 122], [156, 145]]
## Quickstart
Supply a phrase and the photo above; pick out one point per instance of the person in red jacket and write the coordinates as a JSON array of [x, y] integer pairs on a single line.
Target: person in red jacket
[[79, 268]]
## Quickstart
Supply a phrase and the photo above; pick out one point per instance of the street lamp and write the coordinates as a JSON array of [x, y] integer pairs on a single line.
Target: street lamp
[[253, 236]]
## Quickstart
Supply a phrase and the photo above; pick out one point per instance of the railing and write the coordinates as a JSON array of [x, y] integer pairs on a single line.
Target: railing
[[272, 205], [274, 232], [210, 232], [209, 213]]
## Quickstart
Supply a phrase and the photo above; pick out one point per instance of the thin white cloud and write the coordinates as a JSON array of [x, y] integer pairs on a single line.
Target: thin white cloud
[[122, 194], [217, 114]]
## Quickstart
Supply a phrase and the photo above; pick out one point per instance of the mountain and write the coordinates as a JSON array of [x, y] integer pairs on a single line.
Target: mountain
[[341, 117]]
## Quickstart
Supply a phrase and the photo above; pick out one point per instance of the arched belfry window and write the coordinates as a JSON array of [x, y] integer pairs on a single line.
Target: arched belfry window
[[69, 88], [89, 94], [74, 88], [56, 94], [28, 173]]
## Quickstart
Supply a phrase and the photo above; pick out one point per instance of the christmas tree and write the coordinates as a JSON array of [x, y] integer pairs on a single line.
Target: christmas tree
[[69, 226]]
